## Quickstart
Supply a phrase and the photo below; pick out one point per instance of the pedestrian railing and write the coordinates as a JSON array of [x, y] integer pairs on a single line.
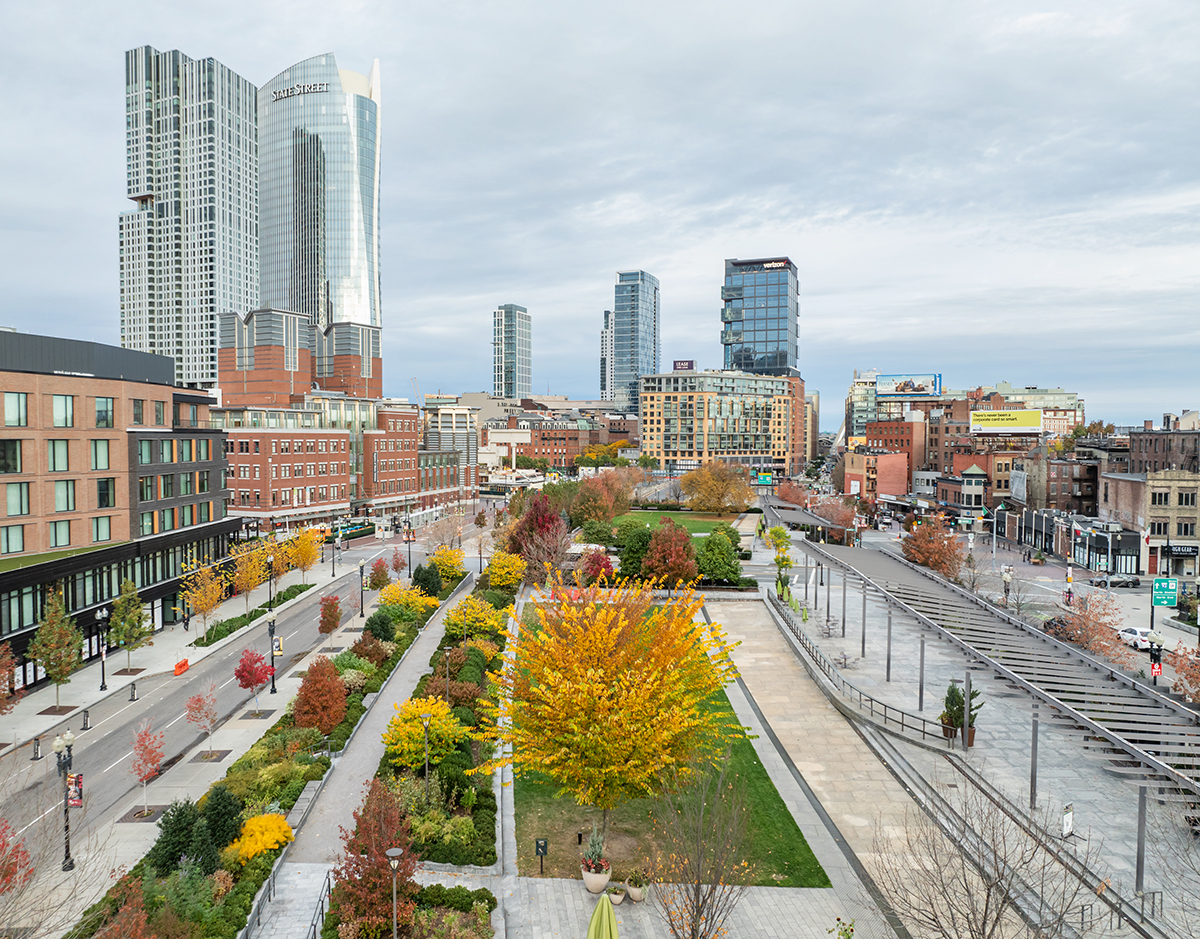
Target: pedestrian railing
[[318, 918], [881, 711], [266, 893]]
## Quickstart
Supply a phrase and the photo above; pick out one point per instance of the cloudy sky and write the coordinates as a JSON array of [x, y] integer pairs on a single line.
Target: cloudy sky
[[994, 191]]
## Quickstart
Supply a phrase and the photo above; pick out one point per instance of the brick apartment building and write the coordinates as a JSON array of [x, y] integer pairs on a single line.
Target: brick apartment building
[[1152, 450], [110, 473], [872, 473], [996, 465], [557, 440], [1163, 507], [904, 436]]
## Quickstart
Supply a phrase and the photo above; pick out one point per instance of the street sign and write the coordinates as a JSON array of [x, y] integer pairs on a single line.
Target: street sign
[[1165, 591], [1156, 670]]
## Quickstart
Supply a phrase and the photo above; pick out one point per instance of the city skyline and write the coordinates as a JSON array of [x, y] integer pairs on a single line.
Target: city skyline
[[987, 194]]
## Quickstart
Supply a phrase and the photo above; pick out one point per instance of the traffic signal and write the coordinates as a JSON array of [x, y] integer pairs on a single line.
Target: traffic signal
[[1155, 654]]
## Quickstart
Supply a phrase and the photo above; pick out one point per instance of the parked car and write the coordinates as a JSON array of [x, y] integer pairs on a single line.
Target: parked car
[[1118, 580], [1136, 636]]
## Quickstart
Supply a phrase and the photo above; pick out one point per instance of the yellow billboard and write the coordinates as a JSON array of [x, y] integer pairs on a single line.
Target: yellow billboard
[[1020, 423]]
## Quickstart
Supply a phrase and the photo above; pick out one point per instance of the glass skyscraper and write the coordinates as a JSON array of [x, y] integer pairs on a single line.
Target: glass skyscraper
[[512, 352], [760, 316], [189, 250], [319, 196], [635, 346]]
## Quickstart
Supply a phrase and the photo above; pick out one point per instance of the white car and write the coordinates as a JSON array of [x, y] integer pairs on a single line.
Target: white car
[[1136, 636]]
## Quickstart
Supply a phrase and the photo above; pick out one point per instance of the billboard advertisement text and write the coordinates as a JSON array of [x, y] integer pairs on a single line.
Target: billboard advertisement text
[[902, 386], [1021, 423]]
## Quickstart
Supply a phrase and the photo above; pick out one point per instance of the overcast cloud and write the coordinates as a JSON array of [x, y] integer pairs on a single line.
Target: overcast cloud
[[989, 190]]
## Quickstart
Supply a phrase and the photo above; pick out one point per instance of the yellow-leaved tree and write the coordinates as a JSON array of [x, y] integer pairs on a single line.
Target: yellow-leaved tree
[[449, 562], [304, 550], [408, 603], [609, 695], [505, 571], [249, 568], [474, 617]]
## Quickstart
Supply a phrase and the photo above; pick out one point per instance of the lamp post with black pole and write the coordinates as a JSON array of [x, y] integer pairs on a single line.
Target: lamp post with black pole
[[425, 715], [393, 856], [101, 622], [270, 578], [271, 642], [362, 583], [408, 536], [62, 753]]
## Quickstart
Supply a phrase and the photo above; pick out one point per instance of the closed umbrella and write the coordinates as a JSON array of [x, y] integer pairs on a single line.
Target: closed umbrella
[[603, 924]]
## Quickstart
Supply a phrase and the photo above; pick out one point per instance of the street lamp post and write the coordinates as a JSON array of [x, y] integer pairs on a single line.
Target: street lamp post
[[270, 577], [101, 619], [271, 642], [65, 742], [393, 856], [408, 537], [362, 566], [425, 715]]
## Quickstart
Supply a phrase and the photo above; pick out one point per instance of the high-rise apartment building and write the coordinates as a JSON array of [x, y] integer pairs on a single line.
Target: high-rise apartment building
[[635, 340], [860, 403], [512, 351], [760, 316], [189, 249], [607, 347]]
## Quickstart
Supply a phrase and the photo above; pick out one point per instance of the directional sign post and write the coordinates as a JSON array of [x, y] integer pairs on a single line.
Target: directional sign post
[[1165, 592]]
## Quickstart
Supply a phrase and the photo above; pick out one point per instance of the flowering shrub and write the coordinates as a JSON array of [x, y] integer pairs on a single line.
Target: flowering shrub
[[488, 648], [262, 833], [404, 738], [473, 617], [506, 571], [449, 562]]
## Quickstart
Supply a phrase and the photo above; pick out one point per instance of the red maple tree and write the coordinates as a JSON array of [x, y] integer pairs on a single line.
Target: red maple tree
[[202, 710], [1186, 663], [331, 614], [378, 578], [398, 562], [540, 537], [16, 866], [788, 491], [321, 701], [671, 556], [253, 672], [363, 880], [130, 921], [9, 694], [596, 564], [147, 757]]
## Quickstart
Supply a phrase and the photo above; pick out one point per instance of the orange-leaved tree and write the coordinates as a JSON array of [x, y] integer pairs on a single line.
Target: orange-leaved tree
[[321, 701], [1185, 661], [609, 695], [932, 544], [1093, 623], [147, 757]]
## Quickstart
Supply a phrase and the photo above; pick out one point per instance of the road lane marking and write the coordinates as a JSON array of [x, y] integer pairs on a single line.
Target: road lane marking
[[39, 818], [121, 760]]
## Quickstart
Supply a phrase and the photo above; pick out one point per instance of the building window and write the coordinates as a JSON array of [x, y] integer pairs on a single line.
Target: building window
[[60, 534], [102, 528], [145, 451], [18, 498], [166, 453], [1187, 498], [1159, 528], [105, 412], [166, 519], [12, 539], [160, 413], [64, 411], [203, 452], [99, 454], [202, 513], [106, 493], [202, 481], [139, 410], [16, 409], [186, 484], [185, 451], [166, 486], [64, 495], [146, 526], [1160, 498], [1185, 529], [146, 489], [10, 456], [57, 459], [185, 515]]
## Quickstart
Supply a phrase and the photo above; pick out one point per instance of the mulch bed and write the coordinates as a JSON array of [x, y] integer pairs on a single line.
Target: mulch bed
[[256, 715], [59, 709], [135, 814], [129, 671], [217, 755]]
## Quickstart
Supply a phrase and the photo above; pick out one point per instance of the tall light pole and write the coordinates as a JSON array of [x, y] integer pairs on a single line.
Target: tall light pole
[[393, 856], [425, 715], [270, 578], [362, 566], [271, 642], [65, 742], [408, 537], [101, 619]]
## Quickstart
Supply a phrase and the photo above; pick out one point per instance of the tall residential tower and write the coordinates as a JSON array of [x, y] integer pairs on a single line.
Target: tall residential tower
[[760, 316], [189, 249], [635, 342], [607, 344], [512, 352]]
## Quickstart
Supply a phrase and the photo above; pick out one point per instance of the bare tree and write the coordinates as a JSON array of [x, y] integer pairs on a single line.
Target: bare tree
[[984, 877], [971, 573], [700, 873], [1174, 843]]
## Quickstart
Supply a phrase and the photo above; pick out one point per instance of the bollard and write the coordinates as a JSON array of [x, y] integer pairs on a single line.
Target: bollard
[[86, 721], [133, 691], [37, 749]]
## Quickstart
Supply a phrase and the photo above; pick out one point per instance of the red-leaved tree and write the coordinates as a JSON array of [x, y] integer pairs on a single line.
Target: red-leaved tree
[[321, 701], [540, 537], [202, 710], [596, 564], [253, 673], [933, 544], [147, 757], [671, 556], [398, 563], [362, 891], [9, 695], [331, 614], [378, 578], [16, 866], [789, 491]]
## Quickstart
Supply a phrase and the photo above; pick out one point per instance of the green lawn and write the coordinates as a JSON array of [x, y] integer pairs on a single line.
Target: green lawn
[[696, 522], [775, 847], [28, 560]]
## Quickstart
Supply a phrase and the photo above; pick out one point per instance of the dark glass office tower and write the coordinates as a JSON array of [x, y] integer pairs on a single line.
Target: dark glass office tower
[[635, 350], [760, 316]]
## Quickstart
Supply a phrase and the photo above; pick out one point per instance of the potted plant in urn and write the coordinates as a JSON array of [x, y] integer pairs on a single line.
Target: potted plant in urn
[[616, 895], [952, 715], [596, 870], [637, 883]]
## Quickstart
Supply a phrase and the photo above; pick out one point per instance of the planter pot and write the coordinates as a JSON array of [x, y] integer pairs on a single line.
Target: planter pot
[[617, 898], [971, 736], [636, 894], [949, 731], [595, 883]]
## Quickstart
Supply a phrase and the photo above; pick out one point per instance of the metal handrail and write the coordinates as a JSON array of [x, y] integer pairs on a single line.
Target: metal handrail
[[317, 923], [888, 713], [266, 893]]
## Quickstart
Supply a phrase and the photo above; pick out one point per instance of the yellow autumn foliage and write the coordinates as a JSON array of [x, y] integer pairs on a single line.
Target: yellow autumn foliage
[[449, 562], [473, 616], [262, 833], [411, 600], [611, 694], [506, 571], [404, 738]]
